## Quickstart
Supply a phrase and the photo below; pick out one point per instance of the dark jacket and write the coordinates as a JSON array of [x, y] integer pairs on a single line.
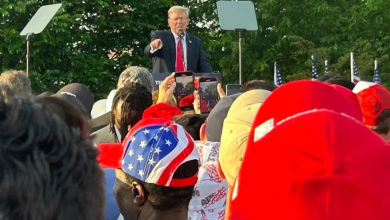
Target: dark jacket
[[164, 59], [104, 135]]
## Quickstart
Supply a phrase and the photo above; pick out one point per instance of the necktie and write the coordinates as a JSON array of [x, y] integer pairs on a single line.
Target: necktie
[[179, 56]]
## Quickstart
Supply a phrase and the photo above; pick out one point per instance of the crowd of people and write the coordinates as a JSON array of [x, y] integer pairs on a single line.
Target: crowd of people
[[306, 150], [314, 149]]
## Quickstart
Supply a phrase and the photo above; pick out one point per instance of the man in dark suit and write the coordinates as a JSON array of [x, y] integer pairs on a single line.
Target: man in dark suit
[[176, 50]]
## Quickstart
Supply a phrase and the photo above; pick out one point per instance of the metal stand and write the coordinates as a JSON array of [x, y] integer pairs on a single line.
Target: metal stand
[[240, 54], [36, 25], [28, 36], [238, 16]]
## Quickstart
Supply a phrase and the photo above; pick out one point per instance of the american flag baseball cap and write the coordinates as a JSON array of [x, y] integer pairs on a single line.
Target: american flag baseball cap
[[152, 151]]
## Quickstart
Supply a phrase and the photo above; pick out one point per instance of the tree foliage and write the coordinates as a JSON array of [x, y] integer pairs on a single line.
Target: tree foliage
[[290, 32], [75, 45]]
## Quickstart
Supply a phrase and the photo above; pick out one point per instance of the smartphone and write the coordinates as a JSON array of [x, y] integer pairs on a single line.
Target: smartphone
[[184, 91], [232, 89], [208, 93]]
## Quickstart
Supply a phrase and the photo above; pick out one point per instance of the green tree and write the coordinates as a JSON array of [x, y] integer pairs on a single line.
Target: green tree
[[290, 32], [75, 45]]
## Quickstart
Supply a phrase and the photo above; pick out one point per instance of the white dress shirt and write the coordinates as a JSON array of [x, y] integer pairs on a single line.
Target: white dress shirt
[[118, 133], [184, 47]]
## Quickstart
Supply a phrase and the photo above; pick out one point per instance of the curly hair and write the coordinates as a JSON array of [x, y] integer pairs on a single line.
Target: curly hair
[[72, 115], [48, 170], [17, 80], [136, 74], [135, 98]]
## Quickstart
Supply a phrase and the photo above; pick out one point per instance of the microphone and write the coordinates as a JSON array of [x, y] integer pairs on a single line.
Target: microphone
[[181, 33]]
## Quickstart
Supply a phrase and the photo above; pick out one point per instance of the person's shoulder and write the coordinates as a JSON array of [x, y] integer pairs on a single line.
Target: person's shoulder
[[104, 135], [101, 131], [193, 37]]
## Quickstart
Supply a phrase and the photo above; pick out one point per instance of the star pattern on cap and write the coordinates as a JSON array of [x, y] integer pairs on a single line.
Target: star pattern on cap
[[141, 173], [151, 162], [157, 150], [140, 158], [151, 147]]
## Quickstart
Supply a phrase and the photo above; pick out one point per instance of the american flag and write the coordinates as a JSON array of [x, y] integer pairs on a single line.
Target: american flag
[[314, 74], [356, 77], [376, 76], [153, 152], [279, 80], [277, 76], [326, 68]]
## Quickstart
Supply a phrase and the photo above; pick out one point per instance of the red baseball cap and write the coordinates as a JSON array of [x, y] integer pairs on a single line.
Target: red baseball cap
[[351, 97], [163, 111], [295, 97], [373, 99], [332, 169], [187, 101]]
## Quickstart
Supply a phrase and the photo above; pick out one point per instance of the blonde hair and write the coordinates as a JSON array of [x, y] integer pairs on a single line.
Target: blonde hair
[[17, 80], [155, 99], [178, 8]]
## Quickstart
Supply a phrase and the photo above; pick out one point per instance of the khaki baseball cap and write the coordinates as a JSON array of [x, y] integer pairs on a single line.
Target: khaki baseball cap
[[235, 131]]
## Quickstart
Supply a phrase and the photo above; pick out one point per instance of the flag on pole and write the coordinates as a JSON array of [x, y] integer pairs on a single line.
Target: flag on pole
[[277, 76], [314, 75], [279, 80], [326, 68], [376, 73], [356, 77]]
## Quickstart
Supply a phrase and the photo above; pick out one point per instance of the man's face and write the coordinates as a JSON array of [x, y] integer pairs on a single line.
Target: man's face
[[124, 197], [178, 20]]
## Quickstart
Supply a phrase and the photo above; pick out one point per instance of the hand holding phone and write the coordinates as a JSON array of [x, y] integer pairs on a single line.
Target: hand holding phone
[[166, 89], [208, 94], [184, 89]]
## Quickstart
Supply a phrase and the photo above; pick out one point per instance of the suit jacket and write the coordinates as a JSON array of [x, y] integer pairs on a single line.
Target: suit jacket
[[164, 59], [104, 135]]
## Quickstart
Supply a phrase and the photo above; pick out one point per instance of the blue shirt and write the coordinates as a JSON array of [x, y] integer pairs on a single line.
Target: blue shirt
[[112, 210]]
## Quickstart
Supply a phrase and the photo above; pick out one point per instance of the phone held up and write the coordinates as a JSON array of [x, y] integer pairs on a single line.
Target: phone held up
[[184, 92], [208, 94], [232, 89]]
